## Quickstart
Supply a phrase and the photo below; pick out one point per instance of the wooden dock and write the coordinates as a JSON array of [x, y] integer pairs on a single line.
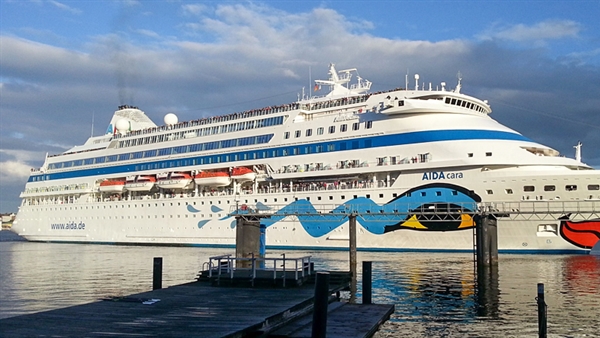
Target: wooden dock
[[200, 310]]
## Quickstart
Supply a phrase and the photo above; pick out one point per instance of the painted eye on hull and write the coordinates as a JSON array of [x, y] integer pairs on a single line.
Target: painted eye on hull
[[436, 217]]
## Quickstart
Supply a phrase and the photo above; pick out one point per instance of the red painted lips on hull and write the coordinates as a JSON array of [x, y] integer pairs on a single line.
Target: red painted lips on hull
[[584, 234]]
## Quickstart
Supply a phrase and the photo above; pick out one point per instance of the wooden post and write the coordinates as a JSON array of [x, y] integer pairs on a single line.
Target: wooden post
[[319, 324], [157, 274], [542, 316], [352, 249], [366, 282], [493, 239], [487, 239], [247, 240]]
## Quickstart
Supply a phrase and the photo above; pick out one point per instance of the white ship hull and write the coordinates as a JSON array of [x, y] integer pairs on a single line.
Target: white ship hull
[[391, 162]]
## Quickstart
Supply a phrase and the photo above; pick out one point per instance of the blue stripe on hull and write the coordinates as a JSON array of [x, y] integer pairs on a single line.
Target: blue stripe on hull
[[344, 145]]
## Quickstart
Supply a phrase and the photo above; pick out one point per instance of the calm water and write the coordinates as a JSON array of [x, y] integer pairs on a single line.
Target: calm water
[[433, 293]]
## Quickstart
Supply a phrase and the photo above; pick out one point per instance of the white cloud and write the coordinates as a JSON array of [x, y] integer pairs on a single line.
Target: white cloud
[[65, 7], [539, 32], [148, 33], [129, 3], [193, 9], [13, 171], [583, 58]]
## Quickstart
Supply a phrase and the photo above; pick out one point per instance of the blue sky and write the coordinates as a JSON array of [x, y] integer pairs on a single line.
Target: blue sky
[[66, 63]]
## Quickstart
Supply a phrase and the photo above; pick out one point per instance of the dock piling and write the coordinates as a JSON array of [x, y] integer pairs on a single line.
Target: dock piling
[[157, 274], [542, 315], [319, 323], [352, 258], [367, 282]]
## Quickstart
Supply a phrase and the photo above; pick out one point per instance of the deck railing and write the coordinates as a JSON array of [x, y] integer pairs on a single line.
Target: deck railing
[[227, 266]]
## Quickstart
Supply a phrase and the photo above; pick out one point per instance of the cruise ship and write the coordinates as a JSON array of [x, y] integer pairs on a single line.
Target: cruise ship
[[400, 160]]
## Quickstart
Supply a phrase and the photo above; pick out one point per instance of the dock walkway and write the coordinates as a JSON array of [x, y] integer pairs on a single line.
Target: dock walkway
[[189, 310]]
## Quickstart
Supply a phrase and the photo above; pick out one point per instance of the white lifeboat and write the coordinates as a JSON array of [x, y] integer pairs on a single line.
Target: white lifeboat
[[243, 174], [213, 178], [174, 180], [112, 186], [140, 182]]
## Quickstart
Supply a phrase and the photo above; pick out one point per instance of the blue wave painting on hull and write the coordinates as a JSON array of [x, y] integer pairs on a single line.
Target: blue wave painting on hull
[[372, 216], [375, 218]]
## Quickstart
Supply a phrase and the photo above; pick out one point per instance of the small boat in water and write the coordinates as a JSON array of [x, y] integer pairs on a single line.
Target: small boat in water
[[139, 182], [173, 180], [213, 178]]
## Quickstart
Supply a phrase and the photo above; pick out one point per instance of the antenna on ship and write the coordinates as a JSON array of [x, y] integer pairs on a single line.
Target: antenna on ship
[[458, 86], [578, 151], [92, 133], [406, 80], [309, 81]]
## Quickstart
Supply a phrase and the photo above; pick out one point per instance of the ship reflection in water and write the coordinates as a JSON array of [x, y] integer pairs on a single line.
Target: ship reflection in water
[[435, 296], [434, 293]]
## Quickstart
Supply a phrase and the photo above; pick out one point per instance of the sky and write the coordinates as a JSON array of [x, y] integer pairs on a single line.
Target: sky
[[65, 66]]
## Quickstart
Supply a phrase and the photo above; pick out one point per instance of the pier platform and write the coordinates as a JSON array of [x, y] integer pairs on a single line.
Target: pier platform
[[198, 309]]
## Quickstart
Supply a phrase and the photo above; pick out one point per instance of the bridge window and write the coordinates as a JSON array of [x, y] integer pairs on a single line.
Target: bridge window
[[355, 125], [343, 127], [308, 132], [549, 188], [320, 131], [508, 191], [593, 187], [528, 188], [297, 134], [286, 135], [369, 124], [570, 187], [331, 129]]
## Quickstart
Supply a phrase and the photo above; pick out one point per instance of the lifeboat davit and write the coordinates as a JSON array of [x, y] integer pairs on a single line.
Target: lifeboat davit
[[140, 182], [174, 180], [113, 186], [243, 174], [213, 178]]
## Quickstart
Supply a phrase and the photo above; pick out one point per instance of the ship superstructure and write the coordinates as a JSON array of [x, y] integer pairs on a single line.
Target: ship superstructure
[[394, 151]]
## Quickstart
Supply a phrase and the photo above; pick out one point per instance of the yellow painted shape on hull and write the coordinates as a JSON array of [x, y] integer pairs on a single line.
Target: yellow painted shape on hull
[[414, 223], [466, 221]]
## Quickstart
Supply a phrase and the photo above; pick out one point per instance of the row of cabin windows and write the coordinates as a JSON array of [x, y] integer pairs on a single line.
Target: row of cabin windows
[[466, 104], [213, 145], [212, 130], [331, 129], [568, 187]]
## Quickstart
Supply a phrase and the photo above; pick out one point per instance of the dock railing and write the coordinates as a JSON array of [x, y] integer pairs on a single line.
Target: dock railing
[[280, 267]]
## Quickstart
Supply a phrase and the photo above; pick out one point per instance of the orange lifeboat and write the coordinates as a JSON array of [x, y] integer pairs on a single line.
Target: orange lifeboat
[[140, 182], [213, 178], [243, 174], [174, 180], [113, 186]]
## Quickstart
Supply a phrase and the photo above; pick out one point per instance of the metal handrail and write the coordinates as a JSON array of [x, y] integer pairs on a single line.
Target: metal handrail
[[223, 264]]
